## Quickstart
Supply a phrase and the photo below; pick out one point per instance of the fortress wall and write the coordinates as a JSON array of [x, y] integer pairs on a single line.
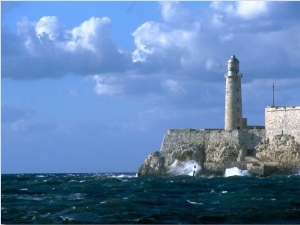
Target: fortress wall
[[252, 137], [247, 138], [284, 120], [175, 137]]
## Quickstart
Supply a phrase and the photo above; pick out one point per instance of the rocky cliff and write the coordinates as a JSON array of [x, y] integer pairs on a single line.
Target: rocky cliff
[[279, 155], [212, 151]]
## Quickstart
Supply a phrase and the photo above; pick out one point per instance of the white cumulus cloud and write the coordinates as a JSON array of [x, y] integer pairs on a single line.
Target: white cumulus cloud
[[48, 26], [250, 9], [151, 37], [47, 49], [175, 13], [242, 9], [88, 35]]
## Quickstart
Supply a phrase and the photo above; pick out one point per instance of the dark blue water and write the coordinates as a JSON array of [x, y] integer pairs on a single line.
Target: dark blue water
[[116, 198]]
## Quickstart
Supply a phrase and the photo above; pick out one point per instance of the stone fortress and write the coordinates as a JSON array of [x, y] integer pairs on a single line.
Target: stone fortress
[[273, 149]]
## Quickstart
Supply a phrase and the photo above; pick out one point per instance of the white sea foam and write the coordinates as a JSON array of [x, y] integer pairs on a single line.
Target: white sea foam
[[72, 181], [185, 168], [236, 172], [195, 203], [126, 176], [66, 218], [76, 196], [31, 198]]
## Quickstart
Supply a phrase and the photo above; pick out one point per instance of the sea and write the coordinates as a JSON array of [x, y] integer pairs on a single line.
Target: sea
[[125, 198]]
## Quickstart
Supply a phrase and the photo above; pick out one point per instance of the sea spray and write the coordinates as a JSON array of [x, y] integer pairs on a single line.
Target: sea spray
[[236, 172], [185, 168]]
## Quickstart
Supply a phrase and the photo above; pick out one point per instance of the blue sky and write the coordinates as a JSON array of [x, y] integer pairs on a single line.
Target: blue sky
[[93, 86]]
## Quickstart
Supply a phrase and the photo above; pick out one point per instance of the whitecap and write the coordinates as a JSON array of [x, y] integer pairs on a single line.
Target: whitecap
[[126, 176], [71, 181], [66, 218], [70, 175], [195, 203], [224, 192], [76, 196], [31, 198], [45, 215], [236, 172], [37, 198], [259, 199]]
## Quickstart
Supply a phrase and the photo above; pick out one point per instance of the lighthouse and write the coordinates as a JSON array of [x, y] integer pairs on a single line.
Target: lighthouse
[[233, 97]]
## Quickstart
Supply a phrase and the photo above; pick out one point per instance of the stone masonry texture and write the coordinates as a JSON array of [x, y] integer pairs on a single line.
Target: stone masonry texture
[[283, 120]]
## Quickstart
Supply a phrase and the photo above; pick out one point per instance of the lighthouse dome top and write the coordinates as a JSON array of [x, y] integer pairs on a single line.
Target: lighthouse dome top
[[233, 59]]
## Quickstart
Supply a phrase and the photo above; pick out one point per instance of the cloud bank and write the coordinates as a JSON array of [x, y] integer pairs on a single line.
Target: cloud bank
[[44, 49], [185, 43], [177, 60]]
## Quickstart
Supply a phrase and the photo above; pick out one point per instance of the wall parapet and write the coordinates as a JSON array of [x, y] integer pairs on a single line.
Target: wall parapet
[[248, 138], [282, 120]]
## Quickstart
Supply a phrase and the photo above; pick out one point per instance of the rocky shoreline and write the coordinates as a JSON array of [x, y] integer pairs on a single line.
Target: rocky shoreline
[[214, 151]]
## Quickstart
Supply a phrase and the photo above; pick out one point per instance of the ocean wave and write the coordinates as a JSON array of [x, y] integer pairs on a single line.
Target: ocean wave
[[189, 167], [195, 203], [103, 198], [31, 198], [229, 172], [126, 176], [76, 196]]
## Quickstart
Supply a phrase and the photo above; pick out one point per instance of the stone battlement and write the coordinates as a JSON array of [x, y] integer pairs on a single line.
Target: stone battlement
[[283, 120], [247, 138]]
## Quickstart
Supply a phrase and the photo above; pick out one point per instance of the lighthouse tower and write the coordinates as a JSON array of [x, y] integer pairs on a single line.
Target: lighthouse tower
[[233, 97]]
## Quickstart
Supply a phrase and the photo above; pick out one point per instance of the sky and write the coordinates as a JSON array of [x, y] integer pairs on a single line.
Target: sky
[[92, 87]]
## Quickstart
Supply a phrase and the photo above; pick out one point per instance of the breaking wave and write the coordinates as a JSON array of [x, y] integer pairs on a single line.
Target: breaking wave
[[185, 168], [229, 172]]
